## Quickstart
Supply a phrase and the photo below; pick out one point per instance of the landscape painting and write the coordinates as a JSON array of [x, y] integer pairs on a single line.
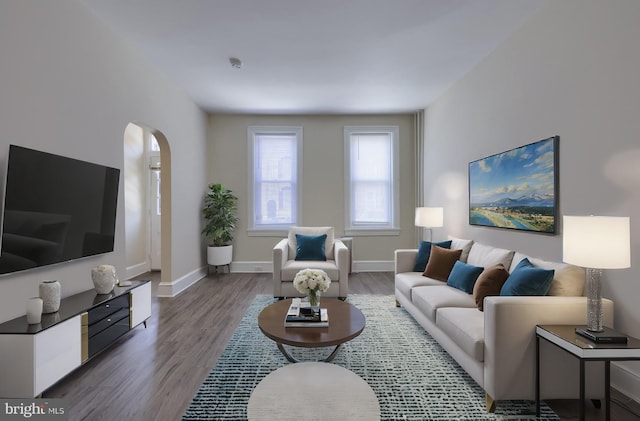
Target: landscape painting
[[516, 189]]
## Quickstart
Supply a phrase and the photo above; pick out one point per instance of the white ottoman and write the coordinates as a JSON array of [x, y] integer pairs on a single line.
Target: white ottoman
[[313, 391]]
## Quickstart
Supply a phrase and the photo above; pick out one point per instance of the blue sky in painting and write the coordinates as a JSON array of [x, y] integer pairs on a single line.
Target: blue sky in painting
[[524, 171]]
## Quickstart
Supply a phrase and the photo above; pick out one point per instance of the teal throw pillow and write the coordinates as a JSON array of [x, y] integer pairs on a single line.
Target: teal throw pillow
[[463, 276], [527, 279], [310, 247], [424, 252]]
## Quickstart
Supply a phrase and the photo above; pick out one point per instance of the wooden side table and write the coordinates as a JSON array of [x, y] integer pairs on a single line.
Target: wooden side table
[[566, 338]]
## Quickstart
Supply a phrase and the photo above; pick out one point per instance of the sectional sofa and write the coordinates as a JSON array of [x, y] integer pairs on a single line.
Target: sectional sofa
[[496, 346]]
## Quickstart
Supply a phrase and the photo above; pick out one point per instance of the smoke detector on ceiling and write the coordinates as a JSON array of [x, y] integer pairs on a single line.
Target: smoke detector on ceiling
[[235, 62]]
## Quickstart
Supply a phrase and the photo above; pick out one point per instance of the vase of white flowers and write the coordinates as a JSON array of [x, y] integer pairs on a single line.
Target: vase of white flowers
[[312, 282]]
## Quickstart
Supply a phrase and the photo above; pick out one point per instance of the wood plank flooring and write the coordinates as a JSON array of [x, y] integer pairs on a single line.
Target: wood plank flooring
[[153, 373]]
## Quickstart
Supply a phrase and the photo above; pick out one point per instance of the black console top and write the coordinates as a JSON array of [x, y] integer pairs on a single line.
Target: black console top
[[69, 307]]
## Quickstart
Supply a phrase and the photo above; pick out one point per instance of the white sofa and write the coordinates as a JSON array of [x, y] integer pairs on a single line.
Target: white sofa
[[497, 346]]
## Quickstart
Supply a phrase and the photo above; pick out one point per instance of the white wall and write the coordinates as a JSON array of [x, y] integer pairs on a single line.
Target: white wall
[[323, 181], [135, 201], [70, 86], [571, 71]]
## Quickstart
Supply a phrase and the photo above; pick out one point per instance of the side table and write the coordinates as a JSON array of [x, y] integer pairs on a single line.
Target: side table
[[566, 338]]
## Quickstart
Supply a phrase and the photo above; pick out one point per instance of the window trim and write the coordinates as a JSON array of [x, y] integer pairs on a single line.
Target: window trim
[[273, 229], [373, 229]]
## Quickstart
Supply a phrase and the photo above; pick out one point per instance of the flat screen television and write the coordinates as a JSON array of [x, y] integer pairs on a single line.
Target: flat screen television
[[55, 209]]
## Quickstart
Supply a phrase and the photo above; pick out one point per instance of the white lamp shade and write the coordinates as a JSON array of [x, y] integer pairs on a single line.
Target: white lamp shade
[[600, 242], [429, 217]]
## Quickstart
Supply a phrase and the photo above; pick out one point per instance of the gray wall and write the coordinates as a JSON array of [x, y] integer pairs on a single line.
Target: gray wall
[[323, 181], [571, 71], [70, 86]]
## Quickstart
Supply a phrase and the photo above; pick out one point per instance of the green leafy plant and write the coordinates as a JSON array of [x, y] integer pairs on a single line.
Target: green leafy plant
[[220, 213]]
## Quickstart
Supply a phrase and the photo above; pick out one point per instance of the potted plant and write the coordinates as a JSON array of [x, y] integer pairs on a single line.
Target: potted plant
[[220, 214]]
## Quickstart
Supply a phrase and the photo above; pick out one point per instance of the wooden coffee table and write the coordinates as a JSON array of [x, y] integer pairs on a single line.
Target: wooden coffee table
[[345, 323]]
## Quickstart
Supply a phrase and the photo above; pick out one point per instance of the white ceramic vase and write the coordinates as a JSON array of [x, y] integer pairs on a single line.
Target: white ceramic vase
[[34, 310], [50, 294], [104, 278]]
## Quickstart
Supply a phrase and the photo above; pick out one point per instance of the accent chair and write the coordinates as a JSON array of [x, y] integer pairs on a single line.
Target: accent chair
[[310, 248]]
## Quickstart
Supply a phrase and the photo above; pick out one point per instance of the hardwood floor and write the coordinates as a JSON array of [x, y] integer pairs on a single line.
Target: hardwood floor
[[153, 373]]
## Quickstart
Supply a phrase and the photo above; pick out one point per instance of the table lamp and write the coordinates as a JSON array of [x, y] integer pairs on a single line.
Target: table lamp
[[429, 218], [596, 243]]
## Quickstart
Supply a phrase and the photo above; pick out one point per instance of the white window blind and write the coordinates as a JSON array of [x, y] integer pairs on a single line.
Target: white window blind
[[275, 177], [371, 183]]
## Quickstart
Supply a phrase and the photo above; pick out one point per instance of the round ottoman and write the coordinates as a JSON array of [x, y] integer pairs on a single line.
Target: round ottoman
[[313, 391]]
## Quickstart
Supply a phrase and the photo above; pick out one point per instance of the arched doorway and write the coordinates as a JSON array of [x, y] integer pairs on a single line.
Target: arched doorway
[[147, 180]]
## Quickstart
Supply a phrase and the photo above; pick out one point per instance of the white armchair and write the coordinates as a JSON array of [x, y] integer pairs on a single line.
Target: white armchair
[[285, 265]]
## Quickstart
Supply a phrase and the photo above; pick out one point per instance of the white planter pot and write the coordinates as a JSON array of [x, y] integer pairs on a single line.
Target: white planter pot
[[219, 256]]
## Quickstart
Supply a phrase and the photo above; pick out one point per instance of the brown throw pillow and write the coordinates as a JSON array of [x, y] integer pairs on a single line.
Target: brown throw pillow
[[488, 283], [441, 262]]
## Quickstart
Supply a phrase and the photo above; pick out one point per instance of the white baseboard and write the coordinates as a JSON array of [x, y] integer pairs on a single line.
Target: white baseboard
[[625, 380], [252, 267], [358, 266], [137, 269], [372, 266], [171, 289]]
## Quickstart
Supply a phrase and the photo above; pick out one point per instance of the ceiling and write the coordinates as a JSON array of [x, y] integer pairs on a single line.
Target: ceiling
[[314, 56]]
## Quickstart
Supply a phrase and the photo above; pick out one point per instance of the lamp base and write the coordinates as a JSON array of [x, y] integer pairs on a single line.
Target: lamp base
[[606, 336], [594, 300]]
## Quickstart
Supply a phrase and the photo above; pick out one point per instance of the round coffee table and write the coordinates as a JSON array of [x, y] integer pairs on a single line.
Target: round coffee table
[[313, 390], [345, 323]]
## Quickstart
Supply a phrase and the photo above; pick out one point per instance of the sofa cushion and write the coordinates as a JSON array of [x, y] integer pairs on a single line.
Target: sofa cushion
[[463, 276], [485, 256], [328, 245], [431, 298], [441, 262], [489, 283], [404, 282], [424, 251], [568, 280], [310, 247], [461, 244], [527, 280], [292, 267], [465, 327]]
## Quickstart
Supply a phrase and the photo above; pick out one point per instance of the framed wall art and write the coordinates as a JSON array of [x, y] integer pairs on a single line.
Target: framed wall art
[[516, 189]]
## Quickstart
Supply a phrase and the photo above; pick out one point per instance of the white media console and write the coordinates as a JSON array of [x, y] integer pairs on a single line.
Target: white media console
[[34, 357]]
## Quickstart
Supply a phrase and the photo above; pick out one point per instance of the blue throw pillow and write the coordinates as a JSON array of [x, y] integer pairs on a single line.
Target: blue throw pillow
[[424, 251], [310, 247], [463, 276], [527, 279]]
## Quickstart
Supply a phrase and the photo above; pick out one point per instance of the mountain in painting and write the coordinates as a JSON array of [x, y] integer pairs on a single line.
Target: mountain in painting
[[533, 200]]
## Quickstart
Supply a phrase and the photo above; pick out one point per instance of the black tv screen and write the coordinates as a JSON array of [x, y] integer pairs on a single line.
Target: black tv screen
[[56, 209]]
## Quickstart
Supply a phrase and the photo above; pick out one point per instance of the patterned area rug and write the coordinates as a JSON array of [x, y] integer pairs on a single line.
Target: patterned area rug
[[412, 376]]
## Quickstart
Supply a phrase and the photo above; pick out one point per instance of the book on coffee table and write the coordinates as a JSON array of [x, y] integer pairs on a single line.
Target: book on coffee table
[[306, 316]]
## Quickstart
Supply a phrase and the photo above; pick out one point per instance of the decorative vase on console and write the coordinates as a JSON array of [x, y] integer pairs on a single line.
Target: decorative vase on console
[[34, 310], [50, 294], [104, 278]]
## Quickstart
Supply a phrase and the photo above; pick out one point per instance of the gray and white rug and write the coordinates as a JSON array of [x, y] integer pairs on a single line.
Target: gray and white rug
[[412, 376]]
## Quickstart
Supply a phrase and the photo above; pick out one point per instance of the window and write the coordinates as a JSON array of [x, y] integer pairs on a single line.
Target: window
[[371, 185], [275, 179]]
